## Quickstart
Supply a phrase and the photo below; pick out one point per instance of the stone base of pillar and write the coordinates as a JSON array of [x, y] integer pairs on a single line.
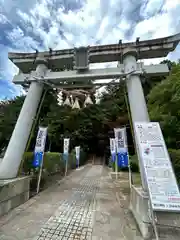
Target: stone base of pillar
[[139, 209], [119, 175], [13, 193], [167, 222]]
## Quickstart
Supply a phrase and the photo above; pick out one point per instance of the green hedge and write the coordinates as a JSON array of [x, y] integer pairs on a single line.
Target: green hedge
[[133, 163], [53, 162], [174, 156], [175, 159]]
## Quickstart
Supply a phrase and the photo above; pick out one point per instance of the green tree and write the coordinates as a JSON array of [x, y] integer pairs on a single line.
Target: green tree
[[163, 104], [9, 112]]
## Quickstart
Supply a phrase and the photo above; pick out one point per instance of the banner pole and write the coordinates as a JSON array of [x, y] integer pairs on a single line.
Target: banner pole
[[116, 167], [77, 163], [66, 167], [40, 174]]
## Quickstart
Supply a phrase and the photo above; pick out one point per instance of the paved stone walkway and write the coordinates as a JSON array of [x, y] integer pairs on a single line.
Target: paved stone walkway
[[85, 205]]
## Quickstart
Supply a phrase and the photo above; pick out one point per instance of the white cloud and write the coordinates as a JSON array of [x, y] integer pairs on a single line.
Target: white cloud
[[152, 8], [155, 27], [40, 24], [3, 19], [102, 28], [169, 4], [106, 21]]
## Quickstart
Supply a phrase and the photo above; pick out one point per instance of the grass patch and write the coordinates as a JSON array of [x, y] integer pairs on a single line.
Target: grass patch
[[136, 177]]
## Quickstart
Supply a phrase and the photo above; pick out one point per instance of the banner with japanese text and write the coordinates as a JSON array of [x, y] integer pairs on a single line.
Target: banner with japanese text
[[40, 146], [113, 149], [66, 148], [121, 147], [77, 149]]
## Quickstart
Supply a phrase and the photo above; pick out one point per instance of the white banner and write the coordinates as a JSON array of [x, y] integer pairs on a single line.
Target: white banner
[[77, 149], [66, 145], [41, 139], [161, 181], [121, 139], [112, 146]]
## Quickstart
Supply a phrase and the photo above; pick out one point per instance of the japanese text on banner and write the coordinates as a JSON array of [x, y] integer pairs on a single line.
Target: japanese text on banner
[[66, 146], [113, 149], [120, 137], [40, 146], [121, 146], [41, 139]]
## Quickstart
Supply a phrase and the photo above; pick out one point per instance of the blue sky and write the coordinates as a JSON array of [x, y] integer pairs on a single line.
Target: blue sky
[[40, 24]]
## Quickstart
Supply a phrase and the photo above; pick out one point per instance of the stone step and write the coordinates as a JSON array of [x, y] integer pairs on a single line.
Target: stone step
[[167, 233]]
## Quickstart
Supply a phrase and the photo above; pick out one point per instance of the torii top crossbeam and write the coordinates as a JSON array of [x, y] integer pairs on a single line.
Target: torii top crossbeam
[[105, 53]]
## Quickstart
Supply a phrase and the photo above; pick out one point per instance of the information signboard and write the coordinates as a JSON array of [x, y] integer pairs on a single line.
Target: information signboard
[[162, 185]]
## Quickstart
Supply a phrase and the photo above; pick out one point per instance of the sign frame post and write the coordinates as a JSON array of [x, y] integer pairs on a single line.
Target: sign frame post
[[130, 173]]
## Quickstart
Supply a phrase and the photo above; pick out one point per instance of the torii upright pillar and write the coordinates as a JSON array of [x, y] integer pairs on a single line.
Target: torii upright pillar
[[12, 159], [139, 112]]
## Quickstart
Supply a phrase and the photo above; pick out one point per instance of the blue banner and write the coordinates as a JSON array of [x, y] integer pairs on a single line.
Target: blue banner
[[38, 156], [122, 159], [77, 162]]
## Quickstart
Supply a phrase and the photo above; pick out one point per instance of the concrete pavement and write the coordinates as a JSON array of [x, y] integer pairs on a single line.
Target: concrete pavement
[[87, 204]]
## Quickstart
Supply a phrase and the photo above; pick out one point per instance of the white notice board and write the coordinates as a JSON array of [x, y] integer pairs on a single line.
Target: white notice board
[[161, 181]]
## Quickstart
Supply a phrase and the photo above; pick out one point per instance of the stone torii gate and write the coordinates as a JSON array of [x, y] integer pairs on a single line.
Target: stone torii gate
[[70, 69], [50, 67]]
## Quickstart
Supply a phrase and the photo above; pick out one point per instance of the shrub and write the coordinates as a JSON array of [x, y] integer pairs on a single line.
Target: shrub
[[175, 159], [83, 157], [174, 156], [133, 164], [72, 160], [52, 163]]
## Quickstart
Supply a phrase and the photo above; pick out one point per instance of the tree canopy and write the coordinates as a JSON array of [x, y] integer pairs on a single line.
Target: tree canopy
[[92, 126], [163, 105]]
